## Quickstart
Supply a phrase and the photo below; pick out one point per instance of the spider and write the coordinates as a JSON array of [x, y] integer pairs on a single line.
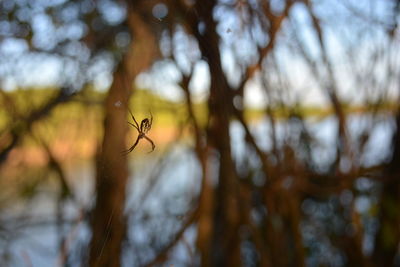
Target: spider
[[144, 128]]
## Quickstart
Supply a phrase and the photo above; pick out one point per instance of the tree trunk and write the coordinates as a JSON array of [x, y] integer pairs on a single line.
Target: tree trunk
[[225, 249], [108, 221], [388, 235]]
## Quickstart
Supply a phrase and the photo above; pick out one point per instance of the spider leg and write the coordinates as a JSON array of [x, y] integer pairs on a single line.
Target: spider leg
[[134, 126], [137, 124], [125, 152], [151, 120], [153, 146]]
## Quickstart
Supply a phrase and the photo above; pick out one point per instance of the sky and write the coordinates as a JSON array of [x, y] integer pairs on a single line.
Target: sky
[[19, 67]]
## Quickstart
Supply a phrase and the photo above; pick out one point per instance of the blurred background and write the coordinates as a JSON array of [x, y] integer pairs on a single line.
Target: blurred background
[[276, 125]]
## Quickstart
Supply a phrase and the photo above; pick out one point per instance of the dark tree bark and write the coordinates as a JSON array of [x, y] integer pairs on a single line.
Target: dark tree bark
[[108, 223], [388, 236], [225, 250], [108, 220]]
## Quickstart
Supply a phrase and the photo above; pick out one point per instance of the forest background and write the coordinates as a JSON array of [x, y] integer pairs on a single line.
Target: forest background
[[276, 125]]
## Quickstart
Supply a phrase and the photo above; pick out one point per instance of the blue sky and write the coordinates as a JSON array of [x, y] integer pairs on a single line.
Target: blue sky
[[21, 67]]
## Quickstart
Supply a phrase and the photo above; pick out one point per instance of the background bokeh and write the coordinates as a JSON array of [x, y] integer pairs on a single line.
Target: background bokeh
[[276, 125]]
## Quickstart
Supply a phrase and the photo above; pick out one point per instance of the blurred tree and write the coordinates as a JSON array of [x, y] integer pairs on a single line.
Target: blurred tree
[[108, 221], [288, 190]]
